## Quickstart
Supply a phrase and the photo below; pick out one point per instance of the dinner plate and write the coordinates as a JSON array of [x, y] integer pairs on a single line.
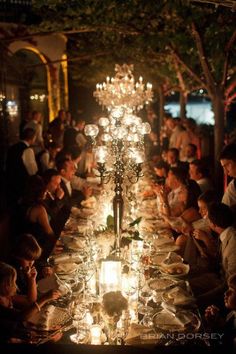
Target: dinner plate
[[177, 297], [74, 243], [182, 321], [170, 247], [163, 242], [157, 259], [161, 283], [66, 268], [176, 270]]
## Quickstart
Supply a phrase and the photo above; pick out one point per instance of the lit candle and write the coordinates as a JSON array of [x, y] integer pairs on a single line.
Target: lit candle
[[95, 332], [88, 318]]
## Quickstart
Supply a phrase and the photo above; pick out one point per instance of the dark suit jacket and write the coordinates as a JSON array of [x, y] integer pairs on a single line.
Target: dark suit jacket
[[62, 214]]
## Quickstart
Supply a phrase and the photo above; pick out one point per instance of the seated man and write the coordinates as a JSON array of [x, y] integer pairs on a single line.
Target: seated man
[[199, 173], [71, 197], [211, 286]]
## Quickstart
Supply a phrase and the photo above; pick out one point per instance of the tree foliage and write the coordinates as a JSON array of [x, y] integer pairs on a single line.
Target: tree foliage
[[154, 35]]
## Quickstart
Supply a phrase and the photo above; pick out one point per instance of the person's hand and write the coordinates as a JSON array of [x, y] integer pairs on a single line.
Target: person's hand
[[52, 295], [186, 229], [211, 313], [200, 235], [31, 273], [147, 193], [157, 188], [56, 337], [163, 193], [59, 193]]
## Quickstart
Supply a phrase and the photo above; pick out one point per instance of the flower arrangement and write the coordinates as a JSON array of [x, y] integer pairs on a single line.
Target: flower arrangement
[[113, 304]]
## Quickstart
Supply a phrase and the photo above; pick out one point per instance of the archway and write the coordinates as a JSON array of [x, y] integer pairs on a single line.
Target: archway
[[33, 93]]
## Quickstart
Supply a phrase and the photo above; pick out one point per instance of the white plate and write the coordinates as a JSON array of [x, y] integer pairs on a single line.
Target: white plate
[[74, 243], [66, 268], [161, 284], [171, 247], [181, 322], [177, 297], [158, 258], [176, 270]]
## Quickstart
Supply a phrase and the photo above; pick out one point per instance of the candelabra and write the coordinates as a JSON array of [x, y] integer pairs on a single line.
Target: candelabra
[[118, 139]]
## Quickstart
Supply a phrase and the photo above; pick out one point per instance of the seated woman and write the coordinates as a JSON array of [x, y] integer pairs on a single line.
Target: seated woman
[[25, 252], [35, 218], [161, 169], [11, 319], [198, 233], [179, 194]]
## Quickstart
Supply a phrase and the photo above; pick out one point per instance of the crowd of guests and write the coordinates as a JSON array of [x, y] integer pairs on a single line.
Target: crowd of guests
[[45, 177], [202, 220]]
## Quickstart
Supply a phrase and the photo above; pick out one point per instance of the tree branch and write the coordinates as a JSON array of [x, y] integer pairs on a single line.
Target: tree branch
[[226, 62], [85, 29], [187, 68], [230, 100], [180, 76], [230, 89], [79, 58], [203, 60]]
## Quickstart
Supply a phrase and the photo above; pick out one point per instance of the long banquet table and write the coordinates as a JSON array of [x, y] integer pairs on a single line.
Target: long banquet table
[[161, 307]]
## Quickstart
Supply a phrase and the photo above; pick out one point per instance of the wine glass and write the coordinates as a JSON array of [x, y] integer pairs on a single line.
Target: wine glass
[[145, 295], [86, 270]]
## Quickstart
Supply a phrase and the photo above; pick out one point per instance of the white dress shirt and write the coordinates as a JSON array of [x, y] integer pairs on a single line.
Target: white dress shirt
[[29, 161], [229, 197], [228, 250]]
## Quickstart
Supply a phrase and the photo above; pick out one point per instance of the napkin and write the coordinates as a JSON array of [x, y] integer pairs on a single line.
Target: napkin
[[135, 332], [173, 316], [43, 318], [89, 203], [179, 296]]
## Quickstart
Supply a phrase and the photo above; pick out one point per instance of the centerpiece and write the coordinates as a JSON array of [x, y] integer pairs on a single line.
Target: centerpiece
[[120, 151]]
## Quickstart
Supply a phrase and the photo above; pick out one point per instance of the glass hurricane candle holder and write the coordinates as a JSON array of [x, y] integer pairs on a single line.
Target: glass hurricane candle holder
[[95, 333]]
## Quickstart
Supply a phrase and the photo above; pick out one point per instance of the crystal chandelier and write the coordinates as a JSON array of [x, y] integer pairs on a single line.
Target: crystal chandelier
[[121, 90], [118, 140]]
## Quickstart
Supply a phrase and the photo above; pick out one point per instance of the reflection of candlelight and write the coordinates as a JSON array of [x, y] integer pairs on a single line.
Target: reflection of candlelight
[[88, 318], [137, 247], [110, 276], [95, 332], [92, 284]]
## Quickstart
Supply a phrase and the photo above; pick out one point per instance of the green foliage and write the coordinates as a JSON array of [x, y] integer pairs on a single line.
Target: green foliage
[[110, 222], [104, 32], [135, 222]]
